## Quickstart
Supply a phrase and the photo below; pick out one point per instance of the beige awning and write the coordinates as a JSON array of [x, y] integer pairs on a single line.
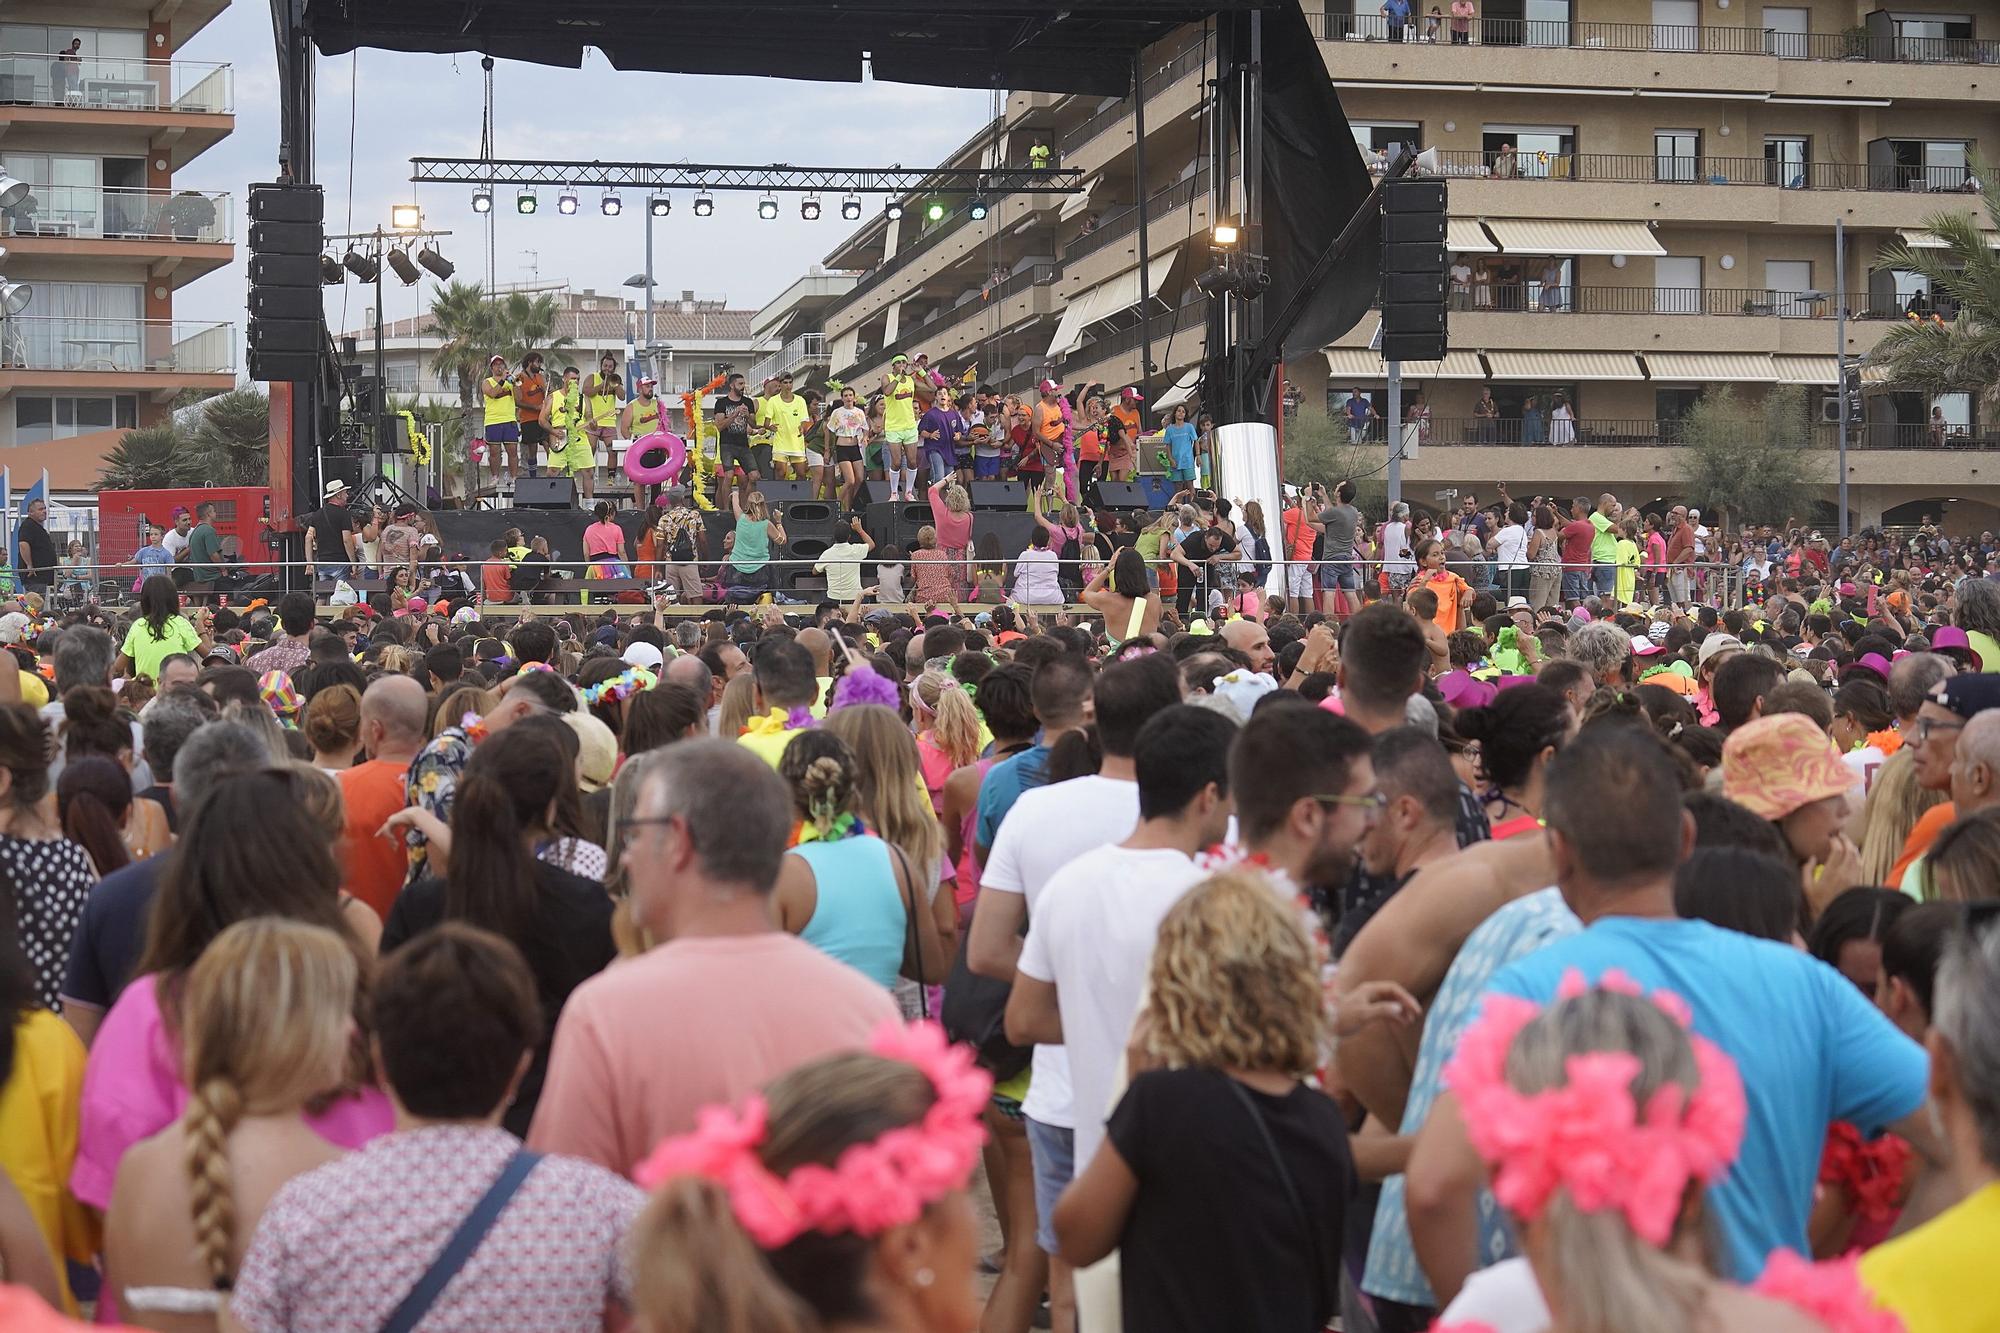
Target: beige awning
[[1069, 331], [1721, 367], [1107, 298], [1183, 390], [1566, 236], [1352, 363], [1078, 201], [1464, 236], [1930, 240], [1796, 369], [1563, 367], [1873, 374]]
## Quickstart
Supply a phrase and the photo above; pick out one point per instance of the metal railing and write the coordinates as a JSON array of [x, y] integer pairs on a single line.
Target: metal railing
[[1124, 221], [1673, 169], [54, 342], [1641, 433], [115, 83], [1035, 275], [1161, 79], [1536, 297], [71, 211], [808, 349], [1717, 39], [1191, 316]]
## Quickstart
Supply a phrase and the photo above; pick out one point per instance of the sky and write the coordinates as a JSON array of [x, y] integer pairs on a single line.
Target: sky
[[395, 106]]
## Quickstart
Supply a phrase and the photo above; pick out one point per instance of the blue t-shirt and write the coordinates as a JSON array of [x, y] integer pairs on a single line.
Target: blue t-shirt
[[1810, 1047], [1357, 406], [1003, 785], [1398, 12], [148, 556], [1180, 439]]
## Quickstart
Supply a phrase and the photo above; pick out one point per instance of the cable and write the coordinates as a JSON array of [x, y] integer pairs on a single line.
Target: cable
[[353, 102], [1201, 136]]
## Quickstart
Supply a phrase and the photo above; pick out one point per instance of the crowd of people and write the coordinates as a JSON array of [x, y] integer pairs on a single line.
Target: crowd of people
[[1490, 942]]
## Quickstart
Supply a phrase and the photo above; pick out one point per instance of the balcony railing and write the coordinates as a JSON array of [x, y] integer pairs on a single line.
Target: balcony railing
[[1191, 316], [1640, 433], [1124, 221], [53, 342], [71, 211], [1668, 169], [1695, 39], [808, 349], [1535, 297], [908, 340], [106, 83], [1161, 79]]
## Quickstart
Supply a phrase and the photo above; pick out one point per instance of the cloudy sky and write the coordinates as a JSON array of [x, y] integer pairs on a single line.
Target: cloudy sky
[[398, 106]]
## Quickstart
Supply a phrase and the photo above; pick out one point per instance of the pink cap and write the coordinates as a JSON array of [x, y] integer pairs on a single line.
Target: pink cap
[[1132, 396], [1049, 386]]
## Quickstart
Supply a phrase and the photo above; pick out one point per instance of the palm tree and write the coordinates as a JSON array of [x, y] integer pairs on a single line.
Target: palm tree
[[150, 458], [1963, 355], [528, 324], [232, 439], [464, 319]]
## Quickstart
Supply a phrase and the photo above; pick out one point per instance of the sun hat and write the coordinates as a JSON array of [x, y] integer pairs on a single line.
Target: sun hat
[[1516, 602], [333, 488], [1775, 765], [597, 750]]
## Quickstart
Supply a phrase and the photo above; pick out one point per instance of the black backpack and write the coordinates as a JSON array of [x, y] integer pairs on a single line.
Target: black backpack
[[681, 550], [975, 1012]]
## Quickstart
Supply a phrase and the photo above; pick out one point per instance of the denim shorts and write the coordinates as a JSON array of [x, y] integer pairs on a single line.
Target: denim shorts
[[1340, 574], [1054, 1151]]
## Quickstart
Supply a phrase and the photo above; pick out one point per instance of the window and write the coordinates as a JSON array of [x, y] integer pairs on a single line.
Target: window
[[1676, 25], [1673, 404], [1786, 282], [40, 419], [1928, 165], [1529, 150], [1785, 31], [1677, 284], [108, 53], [1370, 135], [1787, 160], [1676, 155], [1932, 36]]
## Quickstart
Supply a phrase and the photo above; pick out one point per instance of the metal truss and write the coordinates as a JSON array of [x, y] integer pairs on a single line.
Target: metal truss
[[776, 178]]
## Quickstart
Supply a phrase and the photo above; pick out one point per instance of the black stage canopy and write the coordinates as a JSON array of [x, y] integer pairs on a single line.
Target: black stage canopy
[[1082, 46]]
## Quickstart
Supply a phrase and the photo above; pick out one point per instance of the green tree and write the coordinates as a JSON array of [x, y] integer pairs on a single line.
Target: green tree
[[1750, 462], [463, 319], [1962, 356], [232, 438], [525, 324], [1316, 449], [150, 458]]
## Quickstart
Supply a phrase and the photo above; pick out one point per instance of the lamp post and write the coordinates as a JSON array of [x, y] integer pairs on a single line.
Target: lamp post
[[645, 282]]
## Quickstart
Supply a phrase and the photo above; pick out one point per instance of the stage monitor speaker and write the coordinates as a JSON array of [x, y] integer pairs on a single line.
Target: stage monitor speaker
[[1126, 495], [873, 493], [809, 528], [787, 492], [544, 493], [999, 495]]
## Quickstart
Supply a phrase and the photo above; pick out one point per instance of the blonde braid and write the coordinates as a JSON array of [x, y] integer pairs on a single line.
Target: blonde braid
[[212, 1112]]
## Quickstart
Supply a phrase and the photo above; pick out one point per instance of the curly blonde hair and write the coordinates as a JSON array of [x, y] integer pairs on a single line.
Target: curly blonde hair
[[1235, 983]]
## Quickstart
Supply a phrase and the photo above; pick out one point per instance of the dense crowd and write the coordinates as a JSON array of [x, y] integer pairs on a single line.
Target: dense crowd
[[1414, 945]]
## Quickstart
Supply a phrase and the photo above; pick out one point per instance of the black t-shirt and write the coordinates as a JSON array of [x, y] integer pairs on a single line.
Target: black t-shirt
[[112, 932], [41, 550], [330, 525], [1196, 548], [571, 944], [1213, 1240], [733, 418]]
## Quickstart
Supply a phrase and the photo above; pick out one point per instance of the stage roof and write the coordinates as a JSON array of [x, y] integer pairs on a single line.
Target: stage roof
[[1079, 46]]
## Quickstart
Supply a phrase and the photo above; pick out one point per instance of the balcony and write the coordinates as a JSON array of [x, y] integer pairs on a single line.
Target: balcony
[[188, 232], [936, 331], [1751, 301], [163, 355], [806, 352], [186, 107], [1650, 168], [1691, 39], [1641, 433]]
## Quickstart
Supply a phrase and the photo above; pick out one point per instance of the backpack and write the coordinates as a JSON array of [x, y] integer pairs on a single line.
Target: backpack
[[975, 1012]]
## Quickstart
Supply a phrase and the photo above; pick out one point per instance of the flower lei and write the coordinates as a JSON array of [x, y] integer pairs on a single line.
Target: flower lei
[[621, 686], [873, 1186], [1870, 1174], [1588, 1136], [526, 667]]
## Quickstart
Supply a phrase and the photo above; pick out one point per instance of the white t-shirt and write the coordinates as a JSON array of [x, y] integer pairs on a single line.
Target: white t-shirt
[[1395, 538], [1046, 829], [175, 543], [1505, 1297], [1092, 934], [1864, 763], [1461, 276], [1510, 547], [841, 563], [1035, 581]]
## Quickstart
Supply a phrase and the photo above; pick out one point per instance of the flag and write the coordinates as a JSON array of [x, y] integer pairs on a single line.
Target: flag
[[38, 491]]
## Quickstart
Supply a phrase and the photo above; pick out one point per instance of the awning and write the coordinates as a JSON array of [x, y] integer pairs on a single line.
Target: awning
[[1564, 236], [1069, 332], [1350, 363], [1795, 369], [1873, 374], [1079, 201], [1563, 367], [1183, 390], [1930, 240], [1722, 367], [1464, 236], [1107, 298]]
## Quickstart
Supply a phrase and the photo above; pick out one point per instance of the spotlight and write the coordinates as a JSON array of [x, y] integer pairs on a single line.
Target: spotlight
[[360, 265], [611, 204], [14, 297], [767, 207], [566, 201], [977, 209], [436, 263], [894, 210], [935, 212], [809, 208], [330, 271], [704, 206], [399, 263], [1217, 280], [850, 207], [482, 199], [660, 205], [405, 217], [12, 191], [525, 201], [1224, 234]]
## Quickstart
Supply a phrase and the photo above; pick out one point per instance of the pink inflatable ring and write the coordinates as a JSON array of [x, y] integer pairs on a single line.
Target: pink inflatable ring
[[656, 459]]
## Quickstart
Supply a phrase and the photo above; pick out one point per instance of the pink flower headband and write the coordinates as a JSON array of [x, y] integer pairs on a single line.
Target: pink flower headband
[[874, 1186], [1589, 1136]]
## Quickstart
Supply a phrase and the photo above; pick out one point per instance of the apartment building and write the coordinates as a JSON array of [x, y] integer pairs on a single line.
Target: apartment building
[[103, 122], [1643, 199]]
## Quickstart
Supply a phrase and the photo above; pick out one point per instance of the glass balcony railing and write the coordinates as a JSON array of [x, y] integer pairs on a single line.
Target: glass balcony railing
[[54, 342], [1709, 39], [73, 211], [107, 83]]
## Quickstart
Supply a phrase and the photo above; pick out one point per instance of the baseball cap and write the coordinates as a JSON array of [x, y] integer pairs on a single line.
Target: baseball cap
[[643, 655], [220, 652], [647, 379], [428, 539], [496, 357], [1716, 643], [416, 606], [1049, 386], [1775, 765], [1968, 693], [1643, 646], [1132, 395]]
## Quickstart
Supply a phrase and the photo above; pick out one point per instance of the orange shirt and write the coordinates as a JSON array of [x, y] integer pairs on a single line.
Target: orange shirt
[[1049, 422], [496, 581], [1090, 447], [1922, 834], [530, 395], [371, 867], [1452, 592]]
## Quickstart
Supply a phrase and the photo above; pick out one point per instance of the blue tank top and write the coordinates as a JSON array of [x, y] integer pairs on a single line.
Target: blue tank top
[[859, 917]]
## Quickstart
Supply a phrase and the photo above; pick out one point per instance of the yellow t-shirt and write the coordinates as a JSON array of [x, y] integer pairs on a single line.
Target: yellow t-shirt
[[1939, 1278], [566, 409], [39, 1114], [785, 420], [603, 409], [899, 408], [499, 411], [645, 416]]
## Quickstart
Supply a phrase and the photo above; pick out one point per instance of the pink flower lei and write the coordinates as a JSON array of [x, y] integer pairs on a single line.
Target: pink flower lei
[[874, 1186], [1589, 1136]]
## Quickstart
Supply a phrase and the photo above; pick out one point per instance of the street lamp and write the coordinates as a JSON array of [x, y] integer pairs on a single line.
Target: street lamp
[[645, 280]]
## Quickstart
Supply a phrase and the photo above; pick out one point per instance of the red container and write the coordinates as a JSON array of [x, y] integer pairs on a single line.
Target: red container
[[242, 516]]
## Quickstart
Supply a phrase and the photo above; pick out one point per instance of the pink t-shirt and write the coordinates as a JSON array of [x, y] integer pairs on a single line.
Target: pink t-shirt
[[954, 530], [132, 1090], [604, 539], [645, 1044]]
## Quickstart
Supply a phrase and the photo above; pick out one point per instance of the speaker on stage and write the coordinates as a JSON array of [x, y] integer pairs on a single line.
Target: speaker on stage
[[1123, 495], [809, 528], [340, 467], [787, 492], [999, 495], [544, 493]]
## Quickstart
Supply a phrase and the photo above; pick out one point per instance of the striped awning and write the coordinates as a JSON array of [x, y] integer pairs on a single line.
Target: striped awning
[[1712, 367], [1464, 236], [1796, 369], [1361, 363], [1570, 236], [1930, 240], [1563, 367]]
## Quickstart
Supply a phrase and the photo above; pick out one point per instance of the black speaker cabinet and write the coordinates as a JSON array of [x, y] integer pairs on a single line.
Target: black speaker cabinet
[[544, 493]]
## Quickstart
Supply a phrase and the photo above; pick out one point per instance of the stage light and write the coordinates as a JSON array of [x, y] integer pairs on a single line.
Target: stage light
[[611, 204], [1224, 234], [525, 201], [850, 207], [976, 209], [438, 265], [330, 271], [360, 265], [12, 191], [660, 205], [809, 208], [566, 201], [704, 206], [935, 212], [14, 297], [405, 217], [767, 207], [482, 199], [399, 263], [894, 210]]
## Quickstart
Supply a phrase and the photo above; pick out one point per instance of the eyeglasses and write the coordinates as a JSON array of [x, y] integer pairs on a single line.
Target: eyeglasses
[[1373, 800], [1926, 725]]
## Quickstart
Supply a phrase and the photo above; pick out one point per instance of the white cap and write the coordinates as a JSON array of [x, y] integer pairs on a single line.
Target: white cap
[[643, 655]]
